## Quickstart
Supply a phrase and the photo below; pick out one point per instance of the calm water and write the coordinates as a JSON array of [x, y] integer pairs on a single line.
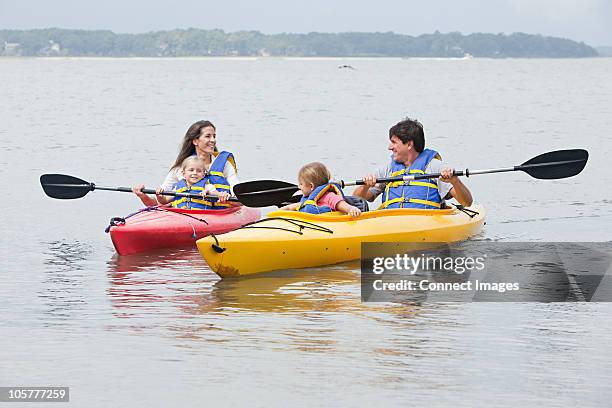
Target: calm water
[[161, 330]]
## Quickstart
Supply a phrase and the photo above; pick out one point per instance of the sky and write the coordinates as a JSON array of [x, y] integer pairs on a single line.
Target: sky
[[581, 20]]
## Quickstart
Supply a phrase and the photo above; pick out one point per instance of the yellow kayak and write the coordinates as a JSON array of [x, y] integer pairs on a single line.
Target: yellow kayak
[[291, 239]]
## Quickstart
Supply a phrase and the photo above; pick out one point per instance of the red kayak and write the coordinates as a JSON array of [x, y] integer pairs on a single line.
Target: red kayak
[[166, 227]]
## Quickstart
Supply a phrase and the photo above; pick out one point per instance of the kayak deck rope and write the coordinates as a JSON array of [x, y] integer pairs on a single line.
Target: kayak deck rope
[[300, 224], [121, 220], [466, 211]]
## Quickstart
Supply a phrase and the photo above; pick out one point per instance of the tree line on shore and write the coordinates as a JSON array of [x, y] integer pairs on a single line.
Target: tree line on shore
[[197, 42]]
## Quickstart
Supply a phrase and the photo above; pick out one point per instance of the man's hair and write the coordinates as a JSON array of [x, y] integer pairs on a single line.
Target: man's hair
[[407, 130], [315, 173]]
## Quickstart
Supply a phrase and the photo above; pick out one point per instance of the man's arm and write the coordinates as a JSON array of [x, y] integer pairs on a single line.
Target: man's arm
[[459, 191], [370, 190], [363, 190]]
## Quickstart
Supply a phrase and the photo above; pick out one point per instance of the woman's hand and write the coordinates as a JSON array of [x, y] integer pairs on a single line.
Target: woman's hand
[[162, 199], [137, 189], [146, 200], [158, 194]]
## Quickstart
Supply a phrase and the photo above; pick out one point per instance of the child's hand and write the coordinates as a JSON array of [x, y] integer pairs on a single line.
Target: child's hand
[[223, 196], [207, 193], [289, 207], [209, 189], [354, 211]]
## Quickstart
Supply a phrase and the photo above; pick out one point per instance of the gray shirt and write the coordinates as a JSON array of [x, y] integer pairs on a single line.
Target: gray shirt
[[434, 166]]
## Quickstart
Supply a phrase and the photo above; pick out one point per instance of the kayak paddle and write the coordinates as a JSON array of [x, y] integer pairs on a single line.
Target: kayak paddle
[[547, 166], [67, 187], [552, 165]]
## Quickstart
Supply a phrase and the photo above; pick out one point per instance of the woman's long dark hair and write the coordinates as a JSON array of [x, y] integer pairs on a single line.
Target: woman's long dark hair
[[187, 147]]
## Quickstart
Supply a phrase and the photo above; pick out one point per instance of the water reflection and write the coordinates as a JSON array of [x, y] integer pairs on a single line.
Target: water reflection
[[63, 282], [302, 309], [156, 282], [195, 289], [333, 288], [182, 274]]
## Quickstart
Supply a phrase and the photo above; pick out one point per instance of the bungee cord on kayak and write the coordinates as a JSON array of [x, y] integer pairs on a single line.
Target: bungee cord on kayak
[[115, 221], [298, 223], [470, 213]]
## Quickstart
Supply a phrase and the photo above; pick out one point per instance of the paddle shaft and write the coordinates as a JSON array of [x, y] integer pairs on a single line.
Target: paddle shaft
[[466, 173], [92, 187]]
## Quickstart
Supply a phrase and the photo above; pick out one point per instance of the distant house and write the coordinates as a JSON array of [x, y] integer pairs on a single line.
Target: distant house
[[54, 47], [50, 50], [11, 49]]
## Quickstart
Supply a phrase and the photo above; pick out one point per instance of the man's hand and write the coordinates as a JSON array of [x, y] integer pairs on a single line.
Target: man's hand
[[447, 175], [369, 180]]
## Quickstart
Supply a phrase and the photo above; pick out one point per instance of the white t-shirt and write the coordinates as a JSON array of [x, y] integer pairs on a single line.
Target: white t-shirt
[[176, 174], [434, 166]]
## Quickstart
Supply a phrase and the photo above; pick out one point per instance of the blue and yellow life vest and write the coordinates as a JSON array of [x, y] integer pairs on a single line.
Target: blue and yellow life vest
[[416, 193], [215, 177], [188, 202], [309, 204]]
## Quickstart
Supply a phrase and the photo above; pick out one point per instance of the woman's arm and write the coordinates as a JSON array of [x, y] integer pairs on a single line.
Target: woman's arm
[[163, 199], [230, 174], [146, 200]]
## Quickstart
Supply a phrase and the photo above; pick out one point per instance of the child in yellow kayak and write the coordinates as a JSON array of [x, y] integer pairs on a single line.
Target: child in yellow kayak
[[319, 195], [195, 181]]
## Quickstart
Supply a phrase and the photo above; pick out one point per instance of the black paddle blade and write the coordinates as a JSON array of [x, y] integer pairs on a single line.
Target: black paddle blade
[[64, 187], [263, 193], [556, 165]]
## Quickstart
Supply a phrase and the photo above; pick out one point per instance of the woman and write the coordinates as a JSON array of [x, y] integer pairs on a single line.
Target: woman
[[200, 140]]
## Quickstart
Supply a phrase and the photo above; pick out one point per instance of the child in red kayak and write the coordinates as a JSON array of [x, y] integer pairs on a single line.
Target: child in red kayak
[[194, 182], [319, 195]]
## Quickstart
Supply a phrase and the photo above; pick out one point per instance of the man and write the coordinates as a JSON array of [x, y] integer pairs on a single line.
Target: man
[[407, 142]]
